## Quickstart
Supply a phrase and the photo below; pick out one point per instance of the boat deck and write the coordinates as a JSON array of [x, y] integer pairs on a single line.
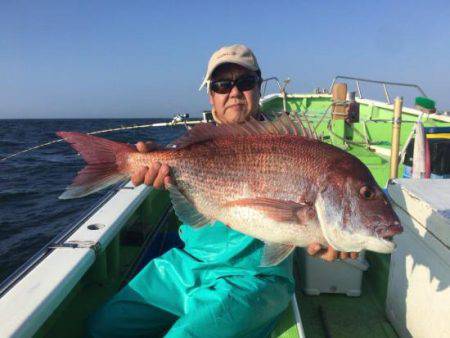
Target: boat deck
[[342, 316]]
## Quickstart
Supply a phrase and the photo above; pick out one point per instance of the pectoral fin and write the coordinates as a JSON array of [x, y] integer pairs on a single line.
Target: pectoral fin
[[184, 209], [278, 210], [275, 253]]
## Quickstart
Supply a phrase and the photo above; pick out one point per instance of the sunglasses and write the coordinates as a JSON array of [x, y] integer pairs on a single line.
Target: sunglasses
[[243, 83]]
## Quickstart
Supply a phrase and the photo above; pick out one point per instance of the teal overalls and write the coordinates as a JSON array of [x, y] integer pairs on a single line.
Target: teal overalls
[[213, 287]]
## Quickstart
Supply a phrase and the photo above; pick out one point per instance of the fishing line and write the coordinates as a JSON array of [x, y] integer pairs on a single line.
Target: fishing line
[[177, 120], [174, 122]]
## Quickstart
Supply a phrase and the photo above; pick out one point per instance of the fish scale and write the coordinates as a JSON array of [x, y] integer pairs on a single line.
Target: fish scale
[[244, 161]]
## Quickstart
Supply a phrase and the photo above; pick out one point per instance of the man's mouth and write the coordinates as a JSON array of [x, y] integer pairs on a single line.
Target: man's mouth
[[234, 105]]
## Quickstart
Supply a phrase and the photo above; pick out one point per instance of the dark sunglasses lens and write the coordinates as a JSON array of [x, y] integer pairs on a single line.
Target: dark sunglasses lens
[[222, 87], [246, 82]]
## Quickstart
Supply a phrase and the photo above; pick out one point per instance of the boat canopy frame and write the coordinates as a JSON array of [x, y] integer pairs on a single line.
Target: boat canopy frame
[[383, 83]]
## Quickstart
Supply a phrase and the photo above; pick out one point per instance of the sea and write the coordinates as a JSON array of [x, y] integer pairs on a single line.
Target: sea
[[31, 214]]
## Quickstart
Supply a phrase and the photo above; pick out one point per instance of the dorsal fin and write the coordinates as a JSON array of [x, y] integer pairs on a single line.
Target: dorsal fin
[[283, 125]]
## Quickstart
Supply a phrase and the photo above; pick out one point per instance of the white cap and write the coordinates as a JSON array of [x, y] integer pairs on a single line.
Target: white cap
[[239, 54]]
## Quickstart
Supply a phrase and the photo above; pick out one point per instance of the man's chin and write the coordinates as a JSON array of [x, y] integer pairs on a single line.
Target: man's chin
[[236, 115]]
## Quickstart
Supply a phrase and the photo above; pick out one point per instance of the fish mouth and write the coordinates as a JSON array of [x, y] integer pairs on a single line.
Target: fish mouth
[[387, 233]]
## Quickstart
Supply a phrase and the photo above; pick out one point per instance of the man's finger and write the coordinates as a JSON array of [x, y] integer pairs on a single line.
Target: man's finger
[[159, 180], [145, 147], [151, 173], [138, 177], [141, 147], [344, 255], [330, 255], [354, 255], [313, 248], [168, 181]]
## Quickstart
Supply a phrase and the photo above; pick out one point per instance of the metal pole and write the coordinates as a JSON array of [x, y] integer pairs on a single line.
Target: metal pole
[[359, 90], [395, 143], [386, 94], [332, 84], [284, 94]]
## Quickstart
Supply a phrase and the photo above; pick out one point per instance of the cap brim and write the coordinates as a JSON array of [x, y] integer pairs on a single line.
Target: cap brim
[[238, 62]]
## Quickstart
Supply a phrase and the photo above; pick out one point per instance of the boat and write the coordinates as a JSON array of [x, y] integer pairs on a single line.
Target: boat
[[53, 294]]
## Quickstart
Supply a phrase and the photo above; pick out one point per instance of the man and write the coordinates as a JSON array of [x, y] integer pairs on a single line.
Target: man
[[232, 106], [214, 287]]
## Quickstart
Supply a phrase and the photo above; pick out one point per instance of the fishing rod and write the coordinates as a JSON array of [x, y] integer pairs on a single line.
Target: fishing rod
[[180, 119]]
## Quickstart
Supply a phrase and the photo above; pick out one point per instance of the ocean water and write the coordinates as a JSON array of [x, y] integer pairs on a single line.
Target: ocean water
[[30, 212]]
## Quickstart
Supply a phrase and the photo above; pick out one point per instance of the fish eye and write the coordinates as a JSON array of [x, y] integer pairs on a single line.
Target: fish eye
[[366, 192]]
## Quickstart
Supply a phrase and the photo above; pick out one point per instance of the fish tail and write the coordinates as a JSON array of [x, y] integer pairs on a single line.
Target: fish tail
[[106, 163]]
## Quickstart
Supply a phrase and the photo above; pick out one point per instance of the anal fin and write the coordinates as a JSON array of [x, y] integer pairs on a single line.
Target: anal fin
[[275, 253]]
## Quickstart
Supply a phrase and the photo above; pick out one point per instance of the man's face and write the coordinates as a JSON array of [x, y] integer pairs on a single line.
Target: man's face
[[235, 106]]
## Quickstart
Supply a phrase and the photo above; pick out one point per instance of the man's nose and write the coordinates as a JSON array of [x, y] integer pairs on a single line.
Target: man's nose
[[235, 91]]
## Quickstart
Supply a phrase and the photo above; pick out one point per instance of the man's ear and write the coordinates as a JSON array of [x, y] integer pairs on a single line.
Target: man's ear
[[213, 112], [210, 98]]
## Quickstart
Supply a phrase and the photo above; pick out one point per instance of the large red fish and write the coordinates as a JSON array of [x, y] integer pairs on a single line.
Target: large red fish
[[260, 178]]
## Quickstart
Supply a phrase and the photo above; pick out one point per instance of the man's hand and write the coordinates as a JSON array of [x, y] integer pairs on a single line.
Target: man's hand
[[157, 174], [329, 254]]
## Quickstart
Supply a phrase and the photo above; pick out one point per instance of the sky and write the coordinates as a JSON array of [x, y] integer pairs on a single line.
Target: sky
[[109, 59]]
